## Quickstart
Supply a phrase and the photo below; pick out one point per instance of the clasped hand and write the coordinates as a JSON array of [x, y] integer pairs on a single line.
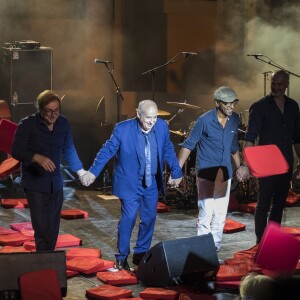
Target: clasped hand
[[87, 178]]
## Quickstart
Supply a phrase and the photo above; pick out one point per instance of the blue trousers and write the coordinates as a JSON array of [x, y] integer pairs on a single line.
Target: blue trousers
[[45, 212], [144, 203]]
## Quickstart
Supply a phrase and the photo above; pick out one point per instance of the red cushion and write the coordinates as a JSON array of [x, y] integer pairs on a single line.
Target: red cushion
[[265, 160], [83, 252], [28, 233], [70, 214], [227, 285], [232, 226], [71, 273], [13, 249], [287, 254], [161, 207], [86, 265], [292, 198], [67, 240], [20, 226], [7, 132], [120, 277], [37, 285], [108, 292], [9, 166], [14, 203], [232, 272], [158, 293], [15, 239], [291, 230], [4, 230]]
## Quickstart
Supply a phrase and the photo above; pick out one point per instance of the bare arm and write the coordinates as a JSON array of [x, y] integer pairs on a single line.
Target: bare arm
[[183, 156]]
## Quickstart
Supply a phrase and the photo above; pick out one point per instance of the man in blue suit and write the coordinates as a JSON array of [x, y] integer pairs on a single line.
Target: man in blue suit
[[140, 146]]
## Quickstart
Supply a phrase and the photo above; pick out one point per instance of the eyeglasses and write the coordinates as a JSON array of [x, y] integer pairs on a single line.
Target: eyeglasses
[[233, 103], [50, 111]]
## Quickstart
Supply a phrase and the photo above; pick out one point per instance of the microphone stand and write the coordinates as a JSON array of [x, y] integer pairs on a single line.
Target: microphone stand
[[269, 61], [152, 72], [118, 91]]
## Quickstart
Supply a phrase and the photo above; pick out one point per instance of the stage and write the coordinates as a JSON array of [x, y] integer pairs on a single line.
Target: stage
[[99, 229]]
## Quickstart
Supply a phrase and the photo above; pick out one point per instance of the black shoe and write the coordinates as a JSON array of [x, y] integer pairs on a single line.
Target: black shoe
[[122, 265], [137, 257]]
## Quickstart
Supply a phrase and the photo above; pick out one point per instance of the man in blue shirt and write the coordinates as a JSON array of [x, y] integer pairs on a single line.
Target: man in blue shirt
[[141, 146], [39, 143], [214, 135]]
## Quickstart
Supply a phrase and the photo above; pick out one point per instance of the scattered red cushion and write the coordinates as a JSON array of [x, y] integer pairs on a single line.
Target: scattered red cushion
[[71, 273], [70, 214], [291, 230], [13, 249], [83, 252], [248, 207], [232, 226], [4, 230], [115, 278], [20, 226], [9, 166], [108, 292], [86, 265], [158, 293], [232, 272], [14, 203], [15, 239], [292, 198], [67, 240], [161, 207]]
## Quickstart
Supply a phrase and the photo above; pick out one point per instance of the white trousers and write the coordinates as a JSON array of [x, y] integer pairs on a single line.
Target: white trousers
[[213, 199]]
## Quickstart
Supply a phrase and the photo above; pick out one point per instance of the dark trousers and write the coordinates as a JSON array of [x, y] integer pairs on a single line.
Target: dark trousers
[[45, 212], [272, 194]]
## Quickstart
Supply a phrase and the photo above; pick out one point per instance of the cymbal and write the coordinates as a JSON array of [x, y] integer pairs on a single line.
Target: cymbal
[[163, 113], [184, 105], [177, 132]]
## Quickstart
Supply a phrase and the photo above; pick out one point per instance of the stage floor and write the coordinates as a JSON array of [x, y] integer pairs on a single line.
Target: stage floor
[[100, 229]]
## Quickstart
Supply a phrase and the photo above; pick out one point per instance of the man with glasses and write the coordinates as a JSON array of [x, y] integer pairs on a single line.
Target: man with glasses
[[39, 143], [214, 135]]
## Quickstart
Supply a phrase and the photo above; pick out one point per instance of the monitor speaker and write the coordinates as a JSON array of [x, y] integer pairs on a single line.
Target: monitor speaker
[[15, 264], [176, 261]]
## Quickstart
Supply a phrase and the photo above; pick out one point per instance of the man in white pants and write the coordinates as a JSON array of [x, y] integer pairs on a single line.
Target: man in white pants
[[215, 137]]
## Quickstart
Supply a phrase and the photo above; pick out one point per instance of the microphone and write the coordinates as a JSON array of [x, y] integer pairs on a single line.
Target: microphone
[[100, 61], [189, 53], [255, 55]]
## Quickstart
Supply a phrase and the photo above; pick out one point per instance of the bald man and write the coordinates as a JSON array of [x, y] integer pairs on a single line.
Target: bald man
[[274, 119], [140, 147]]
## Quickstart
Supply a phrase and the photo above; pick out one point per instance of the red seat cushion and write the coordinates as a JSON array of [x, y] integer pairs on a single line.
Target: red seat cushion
[[4, 230], [115, 278], [15, 239], [248, 207], [83, 252], [161, 207], [37, 285], [14, 203], [108, 292], [21, 226], [265, 160], [9, 166], [67, 240], [232, 272], [158, 293], [70, 214], [287, 254], [13, 249], [232, 226], [7, 132]]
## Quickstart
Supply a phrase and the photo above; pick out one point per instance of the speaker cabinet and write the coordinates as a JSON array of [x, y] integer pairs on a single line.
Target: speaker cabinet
[[15, 264], [172, 262], [24, 73]]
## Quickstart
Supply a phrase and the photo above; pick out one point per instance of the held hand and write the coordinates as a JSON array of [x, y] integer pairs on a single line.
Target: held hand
[[81, 172], [87, 179], [242, 173], [174, 182], [44, 162]]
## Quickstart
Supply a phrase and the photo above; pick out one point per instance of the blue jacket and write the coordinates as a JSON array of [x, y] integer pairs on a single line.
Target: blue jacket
[[123, 144]]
